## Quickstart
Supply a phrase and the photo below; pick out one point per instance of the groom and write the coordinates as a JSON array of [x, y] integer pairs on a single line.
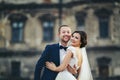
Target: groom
[[53, 53]]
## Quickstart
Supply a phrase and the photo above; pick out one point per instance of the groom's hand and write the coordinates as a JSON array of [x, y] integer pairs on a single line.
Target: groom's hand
[[72, 70]]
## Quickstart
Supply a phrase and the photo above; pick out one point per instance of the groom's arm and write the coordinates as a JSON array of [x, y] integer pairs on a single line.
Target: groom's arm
[[40, 64]]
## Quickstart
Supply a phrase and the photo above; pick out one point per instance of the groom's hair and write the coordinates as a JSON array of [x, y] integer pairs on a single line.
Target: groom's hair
[[61, 27]]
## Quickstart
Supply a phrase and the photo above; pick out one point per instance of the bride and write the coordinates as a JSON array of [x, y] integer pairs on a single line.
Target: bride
[[76, 57]]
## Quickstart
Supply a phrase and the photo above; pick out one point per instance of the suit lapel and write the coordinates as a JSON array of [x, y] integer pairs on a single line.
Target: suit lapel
[[57, 54]]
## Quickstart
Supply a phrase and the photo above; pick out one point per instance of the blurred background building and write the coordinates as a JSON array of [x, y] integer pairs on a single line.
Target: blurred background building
[[26, 26]]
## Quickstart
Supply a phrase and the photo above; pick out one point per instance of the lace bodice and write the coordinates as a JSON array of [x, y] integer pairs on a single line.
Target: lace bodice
[[74, 60]]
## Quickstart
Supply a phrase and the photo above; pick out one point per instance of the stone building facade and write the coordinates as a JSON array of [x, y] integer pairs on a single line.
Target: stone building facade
[[27, 26]]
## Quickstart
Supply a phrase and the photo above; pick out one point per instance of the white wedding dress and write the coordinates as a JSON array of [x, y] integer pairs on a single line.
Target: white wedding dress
[[66, 75]]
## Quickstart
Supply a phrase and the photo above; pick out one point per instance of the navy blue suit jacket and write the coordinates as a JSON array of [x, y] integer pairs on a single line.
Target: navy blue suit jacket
[[51, 53]]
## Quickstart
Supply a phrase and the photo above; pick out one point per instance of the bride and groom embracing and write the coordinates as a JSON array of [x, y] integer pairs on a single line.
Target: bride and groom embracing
[[61, 64]]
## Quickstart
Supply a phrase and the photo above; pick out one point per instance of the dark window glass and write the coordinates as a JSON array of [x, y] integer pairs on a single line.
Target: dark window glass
[[104, 30], [48, 30], [17, 31], [80, 19]]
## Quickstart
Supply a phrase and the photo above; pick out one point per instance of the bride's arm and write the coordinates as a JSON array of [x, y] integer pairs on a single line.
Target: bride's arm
[[72, 70], [61, 67]]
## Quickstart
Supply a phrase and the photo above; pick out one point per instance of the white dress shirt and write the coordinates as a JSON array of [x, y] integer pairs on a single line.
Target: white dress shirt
[[62, 54]]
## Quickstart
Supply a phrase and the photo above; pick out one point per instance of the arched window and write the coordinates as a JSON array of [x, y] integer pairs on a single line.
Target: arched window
[[48, 27], [17, 22], [80, 19], [103, 66], [103, 16]]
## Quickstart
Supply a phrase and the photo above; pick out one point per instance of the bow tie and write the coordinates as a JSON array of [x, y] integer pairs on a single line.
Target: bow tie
[[61, 47]]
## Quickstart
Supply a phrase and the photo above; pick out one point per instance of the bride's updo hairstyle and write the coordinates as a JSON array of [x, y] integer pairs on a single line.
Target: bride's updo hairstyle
[[83, 37]]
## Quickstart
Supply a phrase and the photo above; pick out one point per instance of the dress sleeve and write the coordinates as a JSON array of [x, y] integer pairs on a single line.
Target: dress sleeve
[[72, 49], [74, 59]]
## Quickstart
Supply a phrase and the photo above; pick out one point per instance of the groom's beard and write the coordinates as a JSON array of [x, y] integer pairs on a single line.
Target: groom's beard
[[66, 42]]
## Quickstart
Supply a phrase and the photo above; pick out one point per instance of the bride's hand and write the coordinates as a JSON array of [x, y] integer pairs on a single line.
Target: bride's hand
[[51, 66]]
